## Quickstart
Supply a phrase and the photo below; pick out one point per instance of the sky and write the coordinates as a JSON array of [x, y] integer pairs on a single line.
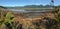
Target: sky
[[27, 2]]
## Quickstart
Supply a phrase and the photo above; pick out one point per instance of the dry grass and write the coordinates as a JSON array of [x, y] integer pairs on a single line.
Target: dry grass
[[28, 22]]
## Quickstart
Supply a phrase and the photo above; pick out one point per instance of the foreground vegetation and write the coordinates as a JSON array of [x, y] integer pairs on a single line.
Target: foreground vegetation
[[9, 23]]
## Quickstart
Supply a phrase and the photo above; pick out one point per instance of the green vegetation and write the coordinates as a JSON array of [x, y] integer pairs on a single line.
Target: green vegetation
[[8, 20]]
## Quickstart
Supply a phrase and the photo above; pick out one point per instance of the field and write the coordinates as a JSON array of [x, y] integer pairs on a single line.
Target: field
[[10, 20]]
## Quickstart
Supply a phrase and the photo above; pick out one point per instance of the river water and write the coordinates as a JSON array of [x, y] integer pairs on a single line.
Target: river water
[[26, 11], [30, 13]]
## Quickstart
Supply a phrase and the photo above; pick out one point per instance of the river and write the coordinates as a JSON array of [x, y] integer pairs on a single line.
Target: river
[[30, 12]]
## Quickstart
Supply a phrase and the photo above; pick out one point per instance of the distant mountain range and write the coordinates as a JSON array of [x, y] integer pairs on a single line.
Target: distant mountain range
[[28, 6]]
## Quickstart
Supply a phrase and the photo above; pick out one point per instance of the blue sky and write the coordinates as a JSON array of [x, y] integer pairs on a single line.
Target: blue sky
[[26, 2]]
